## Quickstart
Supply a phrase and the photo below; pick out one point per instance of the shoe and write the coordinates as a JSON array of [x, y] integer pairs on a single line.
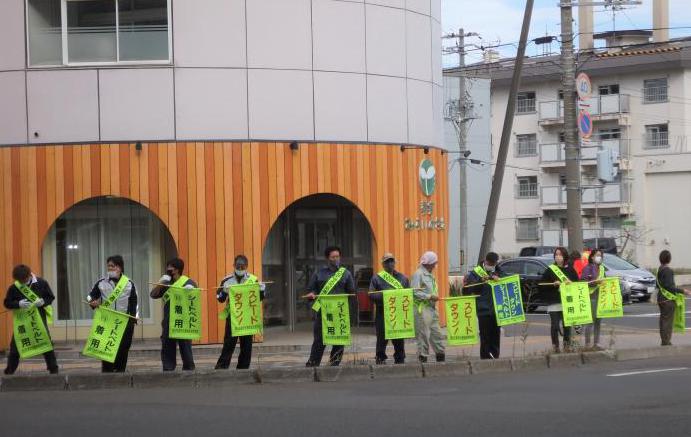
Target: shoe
[[220, 367], [311, 364], [399, 362], [441, 358], [378, 361], [334, 363], [422, 359], [53, 371], [667, 344], [555, 350]]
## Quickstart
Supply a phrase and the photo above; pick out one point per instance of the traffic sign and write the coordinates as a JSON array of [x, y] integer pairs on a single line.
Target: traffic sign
[[584, 87], [585, 124]]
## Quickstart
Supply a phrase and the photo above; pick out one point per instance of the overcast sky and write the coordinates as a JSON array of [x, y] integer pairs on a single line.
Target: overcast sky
[[500, 21]]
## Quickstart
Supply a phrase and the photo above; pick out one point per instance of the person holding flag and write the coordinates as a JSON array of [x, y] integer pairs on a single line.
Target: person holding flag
[[475, 283], [670, 300], [117, 292], [426, 293], [173, 277], [329, 280], [558, 273], [28, 291], [594, 273], [239, 276], [387, 279]]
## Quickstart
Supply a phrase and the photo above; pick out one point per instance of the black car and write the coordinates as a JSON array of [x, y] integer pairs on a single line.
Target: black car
[[531, 269]]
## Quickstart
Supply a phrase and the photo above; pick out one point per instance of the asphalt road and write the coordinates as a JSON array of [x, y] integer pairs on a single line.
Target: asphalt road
[[599, 400], [638, 318]]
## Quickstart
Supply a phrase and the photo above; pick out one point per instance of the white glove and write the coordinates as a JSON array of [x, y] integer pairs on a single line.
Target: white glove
[[189, 287], [40, 302], [165, 279], [24, 303]]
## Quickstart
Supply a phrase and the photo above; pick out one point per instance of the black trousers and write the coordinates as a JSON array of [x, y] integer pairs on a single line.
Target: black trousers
[[490, 337], [120, 364], [229, 343], [318, 346], [667, 309], [382, 342], [168, 352], [13, 360], [557, 321]]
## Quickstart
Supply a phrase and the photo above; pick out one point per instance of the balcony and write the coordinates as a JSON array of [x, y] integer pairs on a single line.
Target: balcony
[[560, 237], [607, 196], [554, 155], [608, 107]]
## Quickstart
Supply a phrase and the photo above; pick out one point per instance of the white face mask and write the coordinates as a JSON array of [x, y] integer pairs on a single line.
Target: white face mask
[[240, 273], [489, 269], [597, 259], [112, 274]]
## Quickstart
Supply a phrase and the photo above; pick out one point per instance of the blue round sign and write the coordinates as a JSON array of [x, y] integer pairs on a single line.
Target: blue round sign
[[585, 124]]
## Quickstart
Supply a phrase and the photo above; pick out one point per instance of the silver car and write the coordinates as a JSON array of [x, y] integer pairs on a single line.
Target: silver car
[[638, 283]]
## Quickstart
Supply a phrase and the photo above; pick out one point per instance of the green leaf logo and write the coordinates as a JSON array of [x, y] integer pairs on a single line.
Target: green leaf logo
[[427, 177]]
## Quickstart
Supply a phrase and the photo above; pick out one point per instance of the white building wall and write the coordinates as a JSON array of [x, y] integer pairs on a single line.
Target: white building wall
[[315, 70], [659, 179]]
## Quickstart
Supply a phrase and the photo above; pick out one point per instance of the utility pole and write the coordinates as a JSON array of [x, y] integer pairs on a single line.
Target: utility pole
[[498, 179], [574, 222], [460, 116]]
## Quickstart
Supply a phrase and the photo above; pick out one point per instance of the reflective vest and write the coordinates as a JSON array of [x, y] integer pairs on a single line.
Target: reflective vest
[[389, 279], [119, 288], [330, 284], [33, 297], [679, 309]]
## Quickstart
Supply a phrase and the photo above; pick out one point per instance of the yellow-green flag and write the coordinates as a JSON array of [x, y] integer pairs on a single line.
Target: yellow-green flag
[[609, 301], [575, 302], [399, 316], [185, 313], [335, 320], [508, 301], [461, 321], [245, 309], [30, 333], [106, 334]]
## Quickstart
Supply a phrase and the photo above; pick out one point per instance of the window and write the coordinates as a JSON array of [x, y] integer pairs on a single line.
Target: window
[[512, 267], [525, 102], [534, 269], [611, 222], [657, 136], [527, 187], [655, 90], [606, 90], [527, 229], [609, 134], [526, 145], [68, 32], [78, 243]]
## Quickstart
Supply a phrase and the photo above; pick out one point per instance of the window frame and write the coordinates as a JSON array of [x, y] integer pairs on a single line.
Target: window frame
[[65, 49], [530, 182], [648, 101], [654, 129], [534, 99], [531, 138], [520, 237]]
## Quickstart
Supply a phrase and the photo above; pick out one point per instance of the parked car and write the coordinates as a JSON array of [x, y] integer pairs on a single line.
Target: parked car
[[531, 269], [638, 282], [606, 245], [537, 250]]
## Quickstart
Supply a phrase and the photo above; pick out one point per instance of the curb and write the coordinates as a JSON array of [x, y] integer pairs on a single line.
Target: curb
[[344, 373], [652, 352], [224, 378], [560, 361], [501, 365], [394, 371]]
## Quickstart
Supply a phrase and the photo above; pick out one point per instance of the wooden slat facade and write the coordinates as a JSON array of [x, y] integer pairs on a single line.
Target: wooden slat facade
[[217, 199]]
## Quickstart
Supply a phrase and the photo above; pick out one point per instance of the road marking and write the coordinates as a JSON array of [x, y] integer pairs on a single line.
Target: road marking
[[648, 314], [642, 372]]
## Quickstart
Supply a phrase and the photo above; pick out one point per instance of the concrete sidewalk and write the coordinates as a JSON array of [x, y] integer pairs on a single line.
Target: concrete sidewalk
[[290, 350]]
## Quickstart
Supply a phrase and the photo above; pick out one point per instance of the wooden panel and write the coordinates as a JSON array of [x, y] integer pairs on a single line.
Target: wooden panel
[[217, 199]]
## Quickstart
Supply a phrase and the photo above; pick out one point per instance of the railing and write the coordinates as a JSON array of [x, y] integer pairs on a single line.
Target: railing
[[598, 105], [608, 193], [554, 153]]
